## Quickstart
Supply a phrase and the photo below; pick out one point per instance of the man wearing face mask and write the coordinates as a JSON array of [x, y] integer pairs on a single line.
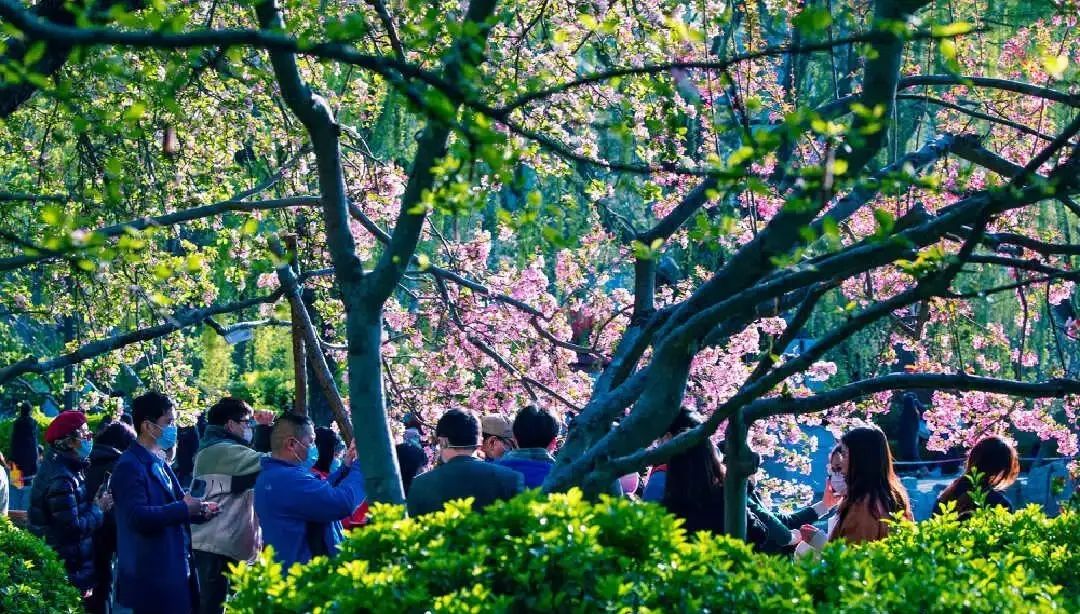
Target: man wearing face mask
[[155, 569], [461, 475], [299, 512], [225, 470], [61, 510]]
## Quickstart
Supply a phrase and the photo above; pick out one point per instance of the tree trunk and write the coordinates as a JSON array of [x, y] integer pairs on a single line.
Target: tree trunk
[[740, 463], [374, 441]]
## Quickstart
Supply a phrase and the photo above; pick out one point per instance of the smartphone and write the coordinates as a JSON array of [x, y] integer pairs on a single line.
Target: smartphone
[[106, 484], [198, 488]]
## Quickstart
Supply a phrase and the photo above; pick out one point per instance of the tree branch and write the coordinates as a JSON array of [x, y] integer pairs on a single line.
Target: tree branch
[[168, 219], [315, 357], [177, 321], [1054, 388], [388, 25], [431, 147]]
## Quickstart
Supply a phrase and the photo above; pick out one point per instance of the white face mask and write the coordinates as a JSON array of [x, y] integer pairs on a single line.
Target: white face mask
[[839, 483]]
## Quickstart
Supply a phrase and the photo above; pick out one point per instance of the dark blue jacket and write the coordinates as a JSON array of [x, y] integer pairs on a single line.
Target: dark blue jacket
[[153, 546], [62, 511], [534, 464], [299, 513]]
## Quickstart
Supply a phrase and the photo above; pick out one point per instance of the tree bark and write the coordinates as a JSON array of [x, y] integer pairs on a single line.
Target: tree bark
[[740, 463], [299, 353]]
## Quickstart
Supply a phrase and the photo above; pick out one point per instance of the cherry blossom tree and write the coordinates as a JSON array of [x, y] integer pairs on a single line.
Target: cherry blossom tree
[[615, 209]]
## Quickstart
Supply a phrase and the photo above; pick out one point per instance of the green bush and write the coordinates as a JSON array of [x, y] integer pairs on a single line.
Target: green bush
[[6, 424], [32, 579], [941, 565], [568, 555]]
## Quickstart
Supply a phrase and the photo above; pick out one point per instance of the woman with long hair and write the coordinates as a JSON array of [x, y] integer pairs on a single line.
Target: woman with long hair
[[992, 466], [874, 493], [694, 489]]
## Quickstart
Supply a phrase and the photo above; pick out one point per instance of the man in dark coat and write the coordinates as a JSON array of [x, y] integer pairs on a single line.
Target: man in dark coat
[[153, 515], [461, 475], [110, 443], [62, 510], [23, 457]]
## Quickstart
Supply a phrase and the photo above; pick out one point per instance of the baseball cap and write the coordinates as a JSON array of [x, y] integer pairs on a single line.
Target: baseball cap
[[497, 426]]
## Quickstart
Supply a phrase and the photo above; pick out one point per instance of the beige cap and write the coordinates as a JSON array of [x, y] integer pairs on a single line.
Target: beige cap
[[497, 426]]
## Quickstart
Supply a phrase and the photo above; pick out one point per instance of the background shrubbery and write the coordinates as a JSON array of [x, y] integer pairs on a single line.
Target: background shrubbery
[[565, 554], [6, 424], [32, 579]]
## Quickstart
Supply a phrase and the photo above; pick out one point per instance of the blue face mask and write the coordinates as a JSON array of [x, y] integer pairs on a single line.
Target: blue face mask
[[308, 462], [335, 465], [85, 446], [167, 439]]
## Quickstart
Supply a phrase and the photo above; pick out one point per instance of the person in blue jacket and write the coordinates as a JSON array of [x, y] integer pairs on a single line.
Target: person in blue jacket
[[300, 514], [155, 569]]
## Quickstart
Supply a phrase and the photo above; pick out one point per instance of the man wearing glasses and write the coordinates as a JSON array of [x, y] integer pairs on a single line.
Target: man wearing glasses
[[498, 437], [61, 510], [225, 472]]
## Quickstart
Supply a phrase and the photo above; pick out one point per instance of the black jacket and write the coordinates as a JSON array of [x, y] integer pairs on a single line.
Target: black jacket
[[102, 460], [461, 478], [24, 443], [62, 511], [708, 515]]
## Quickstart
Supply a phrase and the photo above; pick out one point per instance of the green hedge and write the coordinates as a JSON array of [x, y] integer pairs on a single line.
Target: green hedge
[[6, 424], [32, 579], [564, 554]]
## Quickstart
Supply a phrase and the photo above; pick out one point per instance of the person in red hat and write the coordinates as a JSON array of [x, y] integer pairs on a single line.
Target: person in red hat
[[61, 510]]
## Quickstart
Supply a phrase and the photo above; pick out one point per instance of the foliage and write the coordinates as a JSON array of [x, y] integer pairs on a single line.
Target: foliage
[[568, 555], [6, 425], [555, 224], [32, 578], [528, 554]]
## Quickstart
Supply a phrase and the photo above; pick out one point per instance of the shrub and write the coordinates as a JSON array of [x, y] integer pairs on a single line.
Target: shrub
[[6, 425], [32, 579], [940, 565], [568, 555], [528, 554]]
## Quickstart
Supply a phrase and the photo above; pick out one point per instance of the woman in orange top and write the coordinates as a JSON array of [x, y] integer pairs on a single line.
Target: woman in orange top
[[874, 493]]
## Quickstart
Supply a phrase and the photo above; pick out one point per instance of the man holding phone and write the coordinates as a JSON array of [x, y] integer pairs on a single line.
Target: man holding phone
[[153, 517], [225, 472]]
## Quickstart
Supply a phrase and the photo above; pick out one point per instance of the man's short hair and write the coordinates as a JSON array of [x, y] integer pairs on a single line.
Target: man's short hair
[[150, 406], [460, 428], [286, 426], [535, 427], [229, 408]]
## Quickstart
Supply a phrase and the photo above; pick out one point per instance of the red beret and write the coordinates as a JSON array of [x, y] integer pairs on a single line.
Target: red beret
[[63, 425]]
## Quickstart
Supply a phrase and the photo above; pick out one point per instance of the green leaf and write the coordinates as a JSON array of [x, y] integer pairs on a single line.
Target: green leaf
[[812, 19], [885, 221], [162, 271], [1055, 65], [135, 112], [251, 226], [641, 251], [53, 215], [423, 262], [951, 29], [34, 53]]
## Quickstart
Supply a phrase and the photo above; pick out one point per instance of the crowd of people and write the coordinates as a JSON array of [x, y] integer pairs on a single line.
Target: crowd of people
[[115, 511]]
